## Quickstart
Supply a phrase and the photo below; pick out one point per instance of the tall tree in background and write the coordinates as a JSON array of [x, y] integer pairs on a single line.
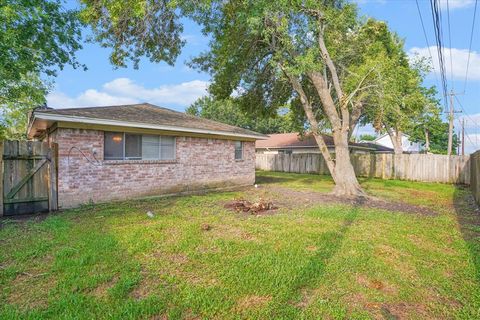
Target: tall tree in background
[[316, 54], [432, 131], [38, 37], [402, 99], [227, 111]]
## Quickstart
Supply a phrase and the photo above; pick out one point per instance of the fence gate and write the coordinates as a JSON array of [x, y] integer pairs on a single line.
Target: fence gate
[[29, 177]]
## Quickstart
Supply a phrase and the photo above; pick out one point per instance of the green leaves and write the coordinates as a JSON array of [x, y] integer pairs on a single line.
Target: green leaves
[[135, 29], [37, 38], [229, 111]]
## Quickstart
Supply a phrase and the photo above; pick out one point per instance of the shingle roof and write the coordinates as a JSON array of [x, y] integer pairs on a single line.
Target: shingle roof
[[294, 140], [146, 113]]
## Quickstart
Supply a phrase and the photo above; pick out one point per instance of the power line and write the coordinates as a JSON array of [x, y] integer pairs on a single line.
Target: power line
[[450, 43], [472, 121], [470, 46], [465, 112], [427, 42], [437, 26]]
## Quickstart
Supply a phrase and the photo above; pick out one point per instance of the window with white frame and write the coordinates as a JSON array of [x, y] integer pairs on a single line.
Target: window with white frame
[[130, 146], [238, 150]]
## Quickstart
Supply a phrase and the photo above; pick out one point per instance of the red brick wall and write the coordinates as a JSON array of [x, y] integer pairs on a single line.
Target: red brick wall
[[200, 163]]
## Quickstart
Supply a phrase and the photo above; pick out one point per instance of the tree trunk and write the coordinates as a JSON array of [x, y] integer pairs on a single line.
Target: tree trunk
[[396, 137], [427, 141], [346, 183]]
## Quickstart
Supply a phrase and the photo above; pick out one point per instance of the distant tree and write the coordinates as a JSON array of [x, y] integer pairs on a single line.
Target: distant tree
[[227, 111], [37, 38], [402, 99], [367, 137], [432, 132]]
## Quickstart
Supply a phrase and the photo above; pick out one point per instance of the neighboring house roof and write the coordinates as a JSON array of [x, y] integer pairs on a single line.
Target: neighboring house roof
[[294, 140], [144, 115], [377, 147], [386, 134]]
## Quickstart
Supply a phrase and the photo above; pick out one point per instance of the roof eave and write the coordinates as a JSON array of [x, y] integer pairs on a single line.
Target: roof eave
[[315, 147], [86, 120]]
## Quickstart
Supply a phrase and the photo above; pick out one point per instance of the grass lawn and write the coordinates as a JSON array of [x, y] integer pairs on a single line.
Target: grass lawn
[[195, 259]]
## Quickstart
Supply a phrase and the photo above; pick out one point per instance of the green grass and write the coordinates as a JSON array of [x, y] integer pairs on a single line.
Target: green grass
[[111, 261]]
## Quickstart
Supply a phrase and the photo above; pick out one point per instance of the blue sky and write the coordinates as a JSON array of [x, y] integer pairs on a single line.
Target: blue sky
[[177, 86]]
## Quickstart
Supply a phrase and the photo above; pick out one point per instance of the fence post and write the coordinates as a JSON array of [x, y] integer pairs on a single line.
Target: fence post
[[53, 190]]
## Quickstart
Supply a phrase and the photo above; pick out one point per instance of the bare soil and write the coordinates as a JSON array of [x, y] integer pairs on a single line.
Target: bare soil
[[291, 199]]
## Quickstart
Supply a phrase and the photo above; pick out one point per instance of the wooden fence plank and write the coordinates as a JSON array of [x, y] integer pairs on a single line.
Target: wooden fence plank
[[415, 167], [25, 179], [29, 185]]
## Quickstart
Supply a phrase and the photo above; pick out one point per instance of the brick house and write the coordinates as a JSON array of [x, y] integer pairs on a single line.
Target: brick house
[[119, 152]]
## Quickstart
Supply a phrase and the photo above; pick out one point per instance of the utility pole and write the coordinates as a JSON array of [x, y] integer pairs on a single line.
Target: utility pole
[[451, 117], [463, 136], [450, 125]]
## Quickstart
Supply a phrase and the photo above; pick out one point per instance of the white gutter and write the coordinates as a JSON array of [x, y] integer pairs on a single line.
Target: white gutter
[[65, 118]]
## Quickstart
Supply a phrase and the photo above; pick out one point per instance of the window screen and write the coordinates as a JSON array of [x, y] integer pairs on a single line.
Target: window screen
[[133, 146], [238, 150], [113, 149], [167, 148], [150, 147], [127, 146]]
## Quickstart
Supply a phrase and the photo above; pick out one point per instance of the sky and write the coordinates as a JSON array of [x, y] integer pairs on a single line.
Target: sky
[[177, 86]]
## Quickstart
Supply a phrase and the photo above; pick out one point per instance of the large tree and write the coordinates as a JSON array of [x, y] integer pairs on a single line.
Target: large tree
[[37, 38], [316, 54]]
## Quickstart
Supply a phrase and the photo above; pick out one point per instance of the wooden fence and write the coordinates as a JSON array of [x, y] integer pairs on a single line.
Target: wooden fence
[[415, 167], [29, 177], [475, 175]]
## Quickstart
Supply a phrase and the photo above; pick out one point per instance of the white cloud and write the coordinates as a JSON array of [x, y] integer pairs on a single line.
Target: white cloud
[[472, 142], [459, 61], [126, 91], [471, 121], [456, 4], [472, 131]]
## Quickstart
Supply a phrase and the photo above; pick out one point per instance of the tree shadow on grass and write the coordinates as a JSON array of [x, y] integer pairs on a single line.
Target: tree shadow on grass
[[327, 246], [468, 218]]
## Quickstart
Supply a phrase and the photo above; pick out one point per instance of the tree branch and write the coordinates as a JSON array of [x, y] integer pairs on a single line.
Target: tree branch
[[328, 60], [297, 86]]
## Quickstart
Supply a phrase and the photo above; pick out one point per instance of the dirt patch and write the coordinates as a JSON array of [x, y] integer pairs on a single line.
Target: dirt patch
[[245, 206], [232, 232], [389, 311], [292, 199], [405, 311], [307, 297], [376, 285], [102, 290], [252, 302], [144, 288], [30, 290], [22, 219]]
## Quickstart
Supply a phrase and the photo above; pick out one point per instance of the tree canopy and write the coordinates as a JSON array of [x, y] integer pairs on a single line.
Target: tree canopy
[[227, 111], [38, 37]]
